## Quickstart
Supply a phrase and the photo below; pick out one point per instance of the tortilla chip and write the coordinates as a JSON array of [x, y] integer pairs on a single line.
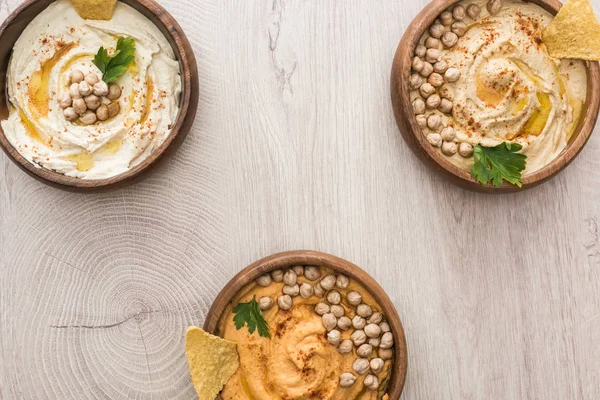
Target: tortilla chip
[[574, 32], [94, 9], [212, 361]]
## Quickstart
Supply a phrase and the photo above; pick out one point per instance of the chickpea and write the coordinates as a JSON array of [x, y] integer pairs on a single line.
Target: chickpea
[[417, 64], [354, 298], [290, 277], [376, 365], [74, 91], [385, 354], [337, 310], [358, 337], [371, 382], [385, 327], [102, 114], [420, 50], [452, 74], [387, 341], [265, 303], [434, 139], [435, 79], [345, 346], [328, 282], [421, 120], [361, 366], [449, 148], [376, 318], [418, 106], [372, 330], [364, 310], [91, 79], [65, 101], [459, 13], [277, 275], [347, 379], [306, 290], [284, 302], [312, 273], [113, 109], [427, 69], [432, 56], [358, 322], [459, 28], [448, 134], [114, 91], [92, 102], [473, 11], [298, 269], [465, 149], [334, 337], [100, 89], [344, 323], [85, 89], [79, 106], [446, 18], [88, 118], [449, 39], [263, 280], [293, 290], [431, 43], [446, 106], [494, 6], [364, 350], [319, 291], [415, 81], [426, 90], [433, 101], [329, 321], [342, 281], [322, 308], [436, 30], [374, 342], [70, 114], [434, 121], [76, 76], [440, 67]]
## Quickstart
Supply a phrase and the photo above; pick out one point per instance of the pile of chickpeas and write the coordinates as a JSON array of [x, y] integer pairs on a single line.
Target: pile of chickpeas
[[371, 337], [431, 76], [90, 99]]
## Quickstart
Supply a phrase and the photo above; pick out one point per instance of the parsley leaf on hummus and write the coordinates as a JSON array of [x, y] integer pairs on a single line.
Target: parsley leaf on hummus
[[250, 314], [113, 67], [502, 162]]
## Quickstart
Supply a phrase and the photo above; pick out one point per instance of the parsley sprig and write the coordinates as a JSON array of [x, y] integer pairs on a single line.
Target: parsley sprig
[[495, 164], [113, 67], [250, 314]]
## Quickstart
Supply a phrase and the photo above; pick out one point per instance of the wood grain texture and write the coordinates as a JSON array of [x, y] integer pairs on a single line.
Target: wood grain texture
[[295, 147]]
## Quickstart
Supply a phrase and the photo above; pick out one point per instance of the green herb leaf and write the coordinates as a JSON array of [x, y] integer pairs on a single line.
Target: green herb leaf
[[251, 315], [113, 67], [502, 162]]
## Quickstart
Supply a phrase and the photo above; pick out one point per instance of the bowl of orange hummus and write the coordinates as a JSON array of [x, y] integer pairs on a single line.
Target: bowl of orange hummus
[[333, 333]]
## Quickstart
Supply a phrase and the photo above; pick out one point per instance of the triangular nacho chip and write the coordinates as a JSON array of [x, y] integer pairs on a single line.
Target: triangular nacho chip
[[574, 33], [94, 9], [211, 360]]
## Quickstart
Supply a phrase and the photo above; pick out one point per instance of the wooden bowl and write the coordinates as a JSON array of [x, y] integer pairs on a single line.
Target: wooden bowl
[[417, 142], [10, 31], [305, 257]]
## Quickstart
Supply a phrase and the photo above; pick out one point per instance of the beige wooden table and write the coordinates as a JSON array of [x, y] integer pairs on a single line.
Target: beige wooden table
[[295, 147]]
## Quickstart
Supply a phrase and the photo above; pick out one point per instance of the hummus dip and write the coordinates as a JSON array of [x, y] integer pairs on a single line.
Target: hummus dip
[[498, 83], [59, 41], [298, 361]]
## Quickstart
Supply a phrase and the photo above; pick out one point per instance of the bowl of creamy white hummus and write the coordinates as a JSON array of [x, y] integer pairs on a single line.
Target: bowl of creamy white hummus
[[474, 75], [334, 333], [46, 47]]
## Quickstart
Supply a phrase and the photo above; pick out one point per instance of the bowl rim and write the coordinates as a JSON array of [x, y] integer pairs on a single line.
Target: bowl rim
[[188, 105], [310, 257], [416, 141]]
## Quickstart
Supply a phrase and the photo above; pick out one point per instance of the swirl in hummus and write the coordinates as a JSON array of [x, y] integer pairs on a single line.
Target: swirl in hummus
[[300, 361], [59, 41], [498, 83]]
